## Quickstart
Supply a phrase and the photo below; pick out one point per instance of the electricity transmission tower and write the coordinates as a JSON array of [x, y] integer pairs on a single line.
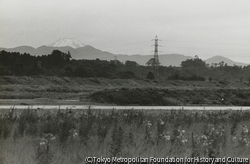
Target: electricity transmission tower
[[155, 61], [156, 57]]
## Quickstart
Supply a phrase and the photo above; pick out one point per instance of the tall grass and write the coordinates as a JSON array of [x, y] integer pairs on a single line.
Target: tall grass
[[68, 136]]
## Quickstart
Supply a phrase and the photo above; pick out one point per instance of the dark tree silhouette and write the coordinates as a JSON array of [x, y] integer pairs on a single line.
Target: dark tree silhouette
[[150, 75], [198, 63]]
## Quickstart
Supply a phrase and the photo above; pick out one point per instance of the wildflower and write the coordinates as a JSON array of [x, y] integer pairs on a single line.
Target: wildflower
[[184, 141], [73, 133], [43, 142], [205, 144], [53, 138], [182, 132], [245, 129], [149, 124], [161, 122], [234, 138], [223, 130], [166, 137], [244, 141], [204, 137]]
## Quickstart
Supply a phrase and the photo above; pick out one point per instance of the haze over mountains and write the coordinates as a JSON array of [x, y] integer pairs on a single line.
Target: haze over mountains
[[67, 42], [79, 50]]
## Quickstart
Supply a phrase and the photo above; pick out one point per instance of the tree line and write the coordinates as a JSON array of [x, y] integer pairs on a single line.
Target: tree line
[[60, 64]]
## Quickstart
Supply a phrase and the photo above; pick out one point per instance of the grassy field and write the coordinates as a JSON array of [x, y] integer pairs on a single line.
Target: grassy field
[[69, 136], [45, 90]]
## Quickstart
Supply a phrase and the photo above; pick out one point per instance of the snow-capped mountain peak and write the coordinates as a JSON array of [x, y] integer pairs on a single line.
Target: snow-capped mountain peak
[[71, 42]]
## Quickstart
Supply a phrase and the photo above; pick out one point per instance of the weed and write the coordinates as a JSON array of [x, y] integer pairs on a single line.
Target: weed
[[116, 143], [127, 133], [44, 155]]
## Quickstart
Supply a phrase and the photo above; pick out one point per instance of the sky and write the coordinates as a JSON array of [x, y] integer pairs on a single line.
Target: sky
[[190, 27]]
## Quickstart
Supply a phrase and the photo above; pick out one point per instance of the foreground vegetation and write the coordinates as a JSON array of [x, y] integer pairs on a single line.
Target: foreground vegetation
[[68, 136]]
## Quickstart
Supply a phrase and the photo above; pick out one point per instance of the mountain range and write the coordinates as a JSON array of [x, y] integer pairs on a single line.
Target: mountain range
[[80, 51], [70, 42]]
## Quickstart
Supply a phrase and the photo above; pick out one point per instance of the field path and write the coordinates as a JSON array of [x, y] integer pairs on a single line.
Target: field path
[[125, 107]]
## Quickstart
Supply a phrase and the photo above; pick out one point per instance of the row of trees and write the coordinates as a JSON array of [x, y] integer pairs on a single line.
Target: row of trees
[[13, 58], [14, 63], [60, 64]]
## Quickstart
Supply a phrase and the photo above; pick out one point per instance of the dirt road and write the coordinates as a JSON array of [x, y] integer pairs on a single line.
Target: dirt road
[[125, 107]]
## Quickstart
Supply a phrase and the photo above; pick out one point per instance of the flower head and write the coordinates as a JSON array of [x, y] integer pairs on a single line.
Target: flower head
[[161, 122], [244, 129], [184, 141], [42, 143], [166, 137], [149, 124]]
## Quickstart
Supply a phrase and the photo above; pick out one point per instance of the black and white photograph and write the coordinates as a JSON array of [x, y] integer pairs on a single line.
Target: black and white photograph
[[124, 81]]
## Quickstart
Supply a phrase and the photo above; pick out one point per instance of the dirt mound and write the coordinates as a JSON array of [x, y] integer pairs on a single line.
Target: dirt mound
[[165, 97], [126, 96]]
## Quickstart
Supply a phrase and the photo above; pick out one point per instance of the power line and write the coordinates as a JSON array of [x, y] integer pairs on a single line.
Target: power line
[[206, 42], [137, 44], [205, 48]]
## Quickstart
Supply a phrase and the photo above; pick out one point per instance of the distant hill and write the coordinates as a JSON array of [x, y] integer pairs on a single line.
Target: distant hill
[[21, 49], [86, 52], [89, 52], [67, 42], [217, 59]]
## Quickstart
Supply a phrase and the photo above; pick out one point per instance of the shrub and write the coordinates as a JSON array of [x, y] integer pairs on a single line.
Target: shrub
[[150, 75]]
